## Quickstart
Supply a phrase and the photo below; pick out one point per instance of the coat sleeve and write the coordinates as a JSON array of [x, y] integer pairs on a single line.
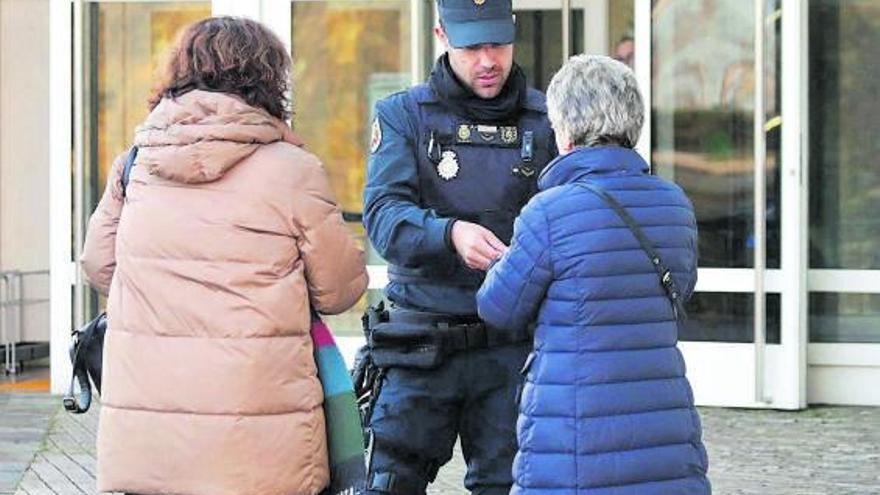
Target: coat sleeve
[[401, 230], [334, 262], [692, 269], [690, 282], [516, 285], [99, 252]]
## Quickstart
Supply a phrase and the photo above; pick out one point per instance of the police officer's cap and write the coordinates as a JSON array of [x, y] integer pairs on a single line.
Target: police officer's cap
[[477, 22]]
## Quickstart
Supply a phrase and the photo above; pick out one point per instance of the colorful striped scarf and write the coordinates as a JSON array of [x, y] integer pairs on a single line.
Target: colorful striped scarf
[[345, 439]]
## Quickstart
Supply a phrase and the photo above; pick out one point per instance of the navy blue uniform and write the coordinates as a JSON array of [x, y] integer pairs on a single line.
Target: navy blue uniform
[[408, 206], [429, 167]]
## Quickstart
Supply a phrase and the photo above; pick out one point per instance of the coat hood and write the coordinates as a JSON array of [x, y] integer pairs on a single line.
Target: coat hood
[[197, 137], [604, 160]]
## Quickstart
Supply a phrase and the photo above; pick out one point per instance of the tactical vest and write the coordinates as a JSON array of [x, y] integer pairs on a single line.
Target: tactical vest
[[476, 172]]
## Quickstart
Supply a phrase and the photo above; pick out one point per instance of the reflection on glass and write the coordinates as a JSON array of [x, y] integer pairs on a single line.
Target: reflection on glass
[[539, 41], [539, 44], [621, 17], [728, 317], [848, 318], [702, 115], [124, 47], [844, 149], [625, 51], [126, 43], [346, 56]]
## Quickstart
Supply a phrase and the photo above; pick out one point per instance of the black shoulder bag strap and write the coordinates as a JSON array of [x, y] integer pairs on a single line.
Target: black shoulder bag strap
[[126, 171], [663, 273]]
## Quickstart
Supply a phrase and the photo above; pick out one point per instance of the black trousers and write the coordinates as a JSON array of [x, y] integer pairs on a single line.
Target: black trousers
[[420, 414]]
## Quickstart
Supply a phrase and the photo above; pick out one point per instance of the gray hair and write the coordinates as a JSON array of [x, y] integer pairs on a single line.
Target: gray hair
[[595, 100]]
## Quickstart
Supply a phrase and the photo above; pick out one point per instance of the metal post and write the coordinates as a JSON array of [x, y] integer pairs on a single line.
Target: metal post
[[566, 30], [642, 35], [14, 302], [794, 200], [60, 192], [78, 162], [11, 298], [416, 37], [4, 332], [20, 315], [596, 36], [760, 225]]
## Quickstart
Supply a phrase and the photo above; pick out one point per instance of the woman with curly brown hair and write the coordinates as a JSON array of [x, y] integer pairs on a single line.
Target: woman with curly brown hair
[[213, 251]]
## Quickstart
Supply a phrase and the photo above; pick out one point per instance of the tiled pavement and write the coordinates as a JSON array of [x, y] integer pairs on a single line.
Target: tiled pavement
[[24, 420], [833, 451], [820, 451]]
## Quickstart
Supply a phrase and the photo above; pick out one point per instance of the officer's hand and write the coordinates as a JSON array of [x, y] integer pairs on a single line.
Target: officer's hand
[[476, 245]]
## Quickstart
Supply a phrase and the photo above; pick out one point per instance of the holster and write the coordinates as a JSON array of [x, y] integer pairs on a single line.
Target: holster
[[422, 340], [367, 379], [401, 344], [417, 340]]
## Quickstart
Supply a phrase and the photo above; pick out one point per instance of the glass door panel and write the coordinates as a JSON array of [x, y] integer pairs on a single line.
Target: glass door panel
[[539, 43], [124, 46], [844, 235], [844, 170], [729, 317], [703, 84], [603, 27], [702, 122], [703, 90], [347, 55]]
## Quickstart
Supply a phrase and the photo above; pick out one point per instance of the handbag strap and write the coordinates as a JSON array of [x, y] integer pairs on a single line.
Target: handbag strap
[[664, 274], [126, 171]]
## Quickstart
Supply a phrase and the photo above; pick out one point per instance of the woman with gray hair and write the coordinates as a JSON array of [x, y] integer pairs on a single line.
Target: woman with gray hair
[[602, 260]]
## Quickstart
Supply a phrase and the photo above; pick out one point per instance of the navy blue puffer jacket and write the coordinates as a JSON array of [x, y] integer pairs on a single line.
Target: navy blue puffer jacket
[[606, 408]]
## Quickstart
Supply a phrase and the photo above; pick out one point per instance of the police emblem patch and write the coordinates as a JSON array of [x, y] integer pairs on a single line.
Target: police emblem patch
[[508, 135], [376, 136], [448, 167]]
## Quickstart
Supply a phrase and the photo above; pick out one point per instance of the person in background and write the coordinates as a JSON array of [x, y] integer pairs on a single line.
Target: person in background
[[224, 237], [602, 260], [625, 51]]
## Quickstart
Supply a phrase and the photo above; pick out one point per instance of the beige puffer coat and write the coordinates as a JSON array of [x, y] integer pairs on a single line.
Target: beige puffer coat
[[227, 233]]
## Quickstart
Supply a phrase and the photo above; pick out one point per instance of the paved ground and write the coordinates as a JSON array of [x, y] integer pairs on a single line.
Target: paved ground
[[824, 450], [24, 420], [827, 451]]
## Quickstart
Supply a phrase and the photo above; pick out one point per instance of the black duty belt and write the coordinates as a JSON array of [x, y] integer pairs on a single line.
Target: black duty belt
[[457, 333], [419, 339]]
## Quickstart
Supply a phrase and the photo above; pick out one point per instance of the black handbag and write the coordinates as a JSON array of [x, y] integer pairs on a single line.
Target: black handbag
[[87, 346], [86, 354]]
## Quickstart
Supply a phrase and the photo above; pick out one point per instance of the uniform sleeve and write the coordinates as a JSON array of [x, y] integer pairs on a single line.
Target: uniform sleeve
[[402, 232], [334, 263], [99, 252], [517, 284]]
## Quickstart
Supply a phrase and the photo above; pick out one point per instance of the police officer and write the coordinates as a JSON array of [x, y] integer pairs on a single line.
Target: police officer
[[452, 163]]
